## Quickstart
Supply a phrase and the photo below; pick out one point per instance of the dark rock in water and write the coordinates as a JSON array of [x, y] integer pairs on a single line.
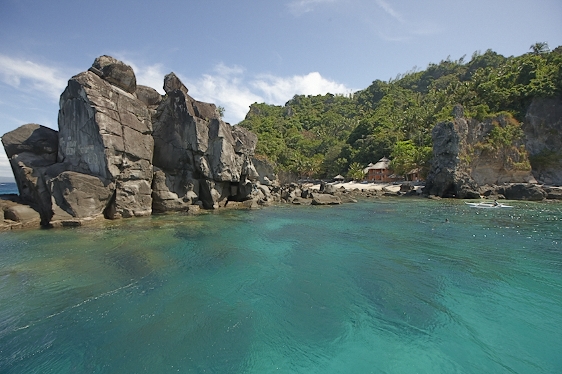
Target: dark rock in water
[[543, 138], [106, 132], [122, 151], [193, 147], [464, 158], [553, 193], [522, 191], [325, 199], [31, 150]]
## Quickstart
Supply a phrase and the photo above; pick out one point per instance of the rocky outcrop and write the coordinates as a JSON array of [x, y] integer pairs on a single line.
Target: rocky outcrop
[[468, 154], [122, 150], [198, 156], [543, 138], [105, 132], [32, 151]]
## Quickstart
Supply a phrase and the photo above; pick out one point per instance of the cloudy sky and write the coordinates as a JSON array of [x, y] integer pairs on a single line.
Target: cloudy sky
[[238, 52]]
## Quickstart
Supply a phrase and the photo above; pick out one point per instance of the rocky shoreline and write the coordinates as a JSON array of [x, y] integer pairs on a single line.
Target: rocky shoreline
[[123, 150], [18, 215]]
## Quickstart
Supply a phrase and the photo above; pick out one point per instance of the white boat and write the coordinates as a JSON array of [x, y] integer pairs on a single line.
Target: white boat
[[488, 205]]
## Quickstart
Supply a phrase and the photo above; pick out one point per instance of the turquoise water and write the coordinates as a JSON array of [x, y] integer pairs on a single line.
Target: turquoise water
[[385, 286]]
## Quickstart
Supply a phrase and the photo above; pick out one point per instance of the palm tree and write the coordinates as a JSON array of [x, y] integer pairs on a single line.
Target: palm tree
[[539, 48]]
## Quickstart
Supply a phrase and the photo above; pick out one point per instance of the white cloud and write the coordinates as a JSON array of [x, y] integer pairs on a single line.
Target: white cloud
[[226, 87], [149, 75], [5, 168], [299, 7], [278, 90], [30, 76], [229, 88], [389, 10]]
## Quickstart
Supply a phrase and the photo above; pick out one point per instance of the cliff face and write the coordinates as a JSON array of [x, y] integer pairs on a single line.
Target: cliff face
[[123, 151], [468, 154], [543, 139]]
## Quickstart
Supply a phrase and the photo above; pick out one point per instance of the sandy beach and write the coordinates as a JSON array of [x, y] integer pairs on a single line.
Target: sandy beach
[[365, 186]]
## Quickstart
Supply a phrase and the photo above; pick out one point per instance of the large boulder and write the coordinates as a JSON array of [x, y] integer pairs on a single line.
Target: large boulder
[[194, 147], [115, 72], [123, 150], [105, 131], [522, 191], [32, 150]]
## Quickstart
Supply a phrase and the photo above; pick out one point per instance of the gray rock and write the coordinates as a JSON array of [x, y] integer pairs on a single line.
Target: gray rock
[[22, 213], [148, 95], [520, 191], [115, 72], [191, 140], [79, 195], [325, 199], [107, 133]]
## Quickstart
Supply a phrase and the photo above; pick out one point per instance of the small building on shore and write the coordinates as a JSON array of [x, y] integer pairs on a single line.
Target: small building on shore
[[380, 172]]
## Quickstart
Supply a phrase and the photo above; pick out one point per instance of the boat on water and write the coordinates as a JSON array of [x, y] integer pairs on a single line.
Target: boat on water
[[494, 205]]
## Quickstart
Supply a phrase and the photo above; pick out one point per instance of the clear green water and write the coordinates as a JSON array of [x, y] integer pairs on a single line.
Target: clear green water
[[385, 286]]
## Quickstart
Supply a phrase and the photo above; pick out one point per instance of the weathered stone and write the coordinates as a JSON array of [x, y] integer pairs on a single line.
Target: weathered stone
[[520, 191], [543, 138], [190, 138], [107, 133], [464, 159], [115, 72], [22, 213], [79, 195], [148, 95], [325, 199], [32, 138]]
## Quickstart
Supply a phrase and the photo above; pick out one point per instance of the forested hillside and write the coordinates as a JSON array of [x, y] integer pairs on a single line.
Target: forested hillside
[[325, 135]]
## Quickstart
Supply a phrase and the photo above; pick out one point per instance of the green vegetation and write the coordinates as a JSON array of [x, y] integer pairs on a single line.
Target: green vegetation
[[325, 135]]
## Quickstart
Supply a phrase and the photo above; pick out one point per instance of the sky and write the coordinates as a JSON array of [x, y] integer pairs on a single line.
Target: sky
[[238, 52]]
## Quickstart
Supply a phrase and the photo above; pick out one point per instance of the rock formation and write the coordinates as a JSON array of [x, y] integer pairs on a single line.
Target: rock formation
[[543, 138], [467, 154], [122, 151]]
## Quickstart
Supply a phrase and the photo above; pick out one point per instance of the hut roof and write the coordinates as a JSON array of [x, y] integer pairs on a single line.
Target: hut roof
[[383, 163]]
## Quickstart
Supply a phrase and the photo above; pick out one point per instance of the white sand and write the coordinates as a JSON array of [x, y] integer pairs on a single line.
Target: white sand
[[360, 186]]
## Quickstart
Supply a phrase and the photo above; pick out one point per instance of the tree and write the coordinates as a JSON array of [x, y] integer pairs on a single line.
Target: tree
[[221, 111], [539, 48], [355, 171], [403, 157]]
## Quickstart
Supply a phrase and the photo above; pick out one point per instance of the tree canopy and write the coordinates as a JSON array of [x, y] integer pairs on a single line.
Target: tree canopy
[[325, 135]]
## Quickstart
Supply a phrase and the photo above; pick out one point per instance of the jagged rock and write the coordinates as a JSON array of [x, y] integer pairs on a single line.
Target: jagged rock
[[192, 145], [79, 195], [106, 132], [108, 160], [149, 96], [325, 199], [522, 191], [31, 150], [543, 138], [115, 72], [463, 158]]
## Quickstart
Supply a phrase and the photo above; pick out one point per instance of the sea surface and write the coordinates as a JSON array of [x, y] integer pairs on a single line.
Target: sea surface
[[8, 188], [381, 286]]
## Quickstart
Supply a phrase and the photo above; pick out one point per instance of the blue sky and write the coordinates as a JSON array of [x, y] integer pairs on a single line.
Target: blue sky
[[238, 52]]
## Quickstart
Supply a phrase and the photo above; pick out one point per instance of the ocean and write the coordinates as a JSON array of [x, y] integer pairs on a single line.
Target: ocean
[[381, 286], [8, 188]]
